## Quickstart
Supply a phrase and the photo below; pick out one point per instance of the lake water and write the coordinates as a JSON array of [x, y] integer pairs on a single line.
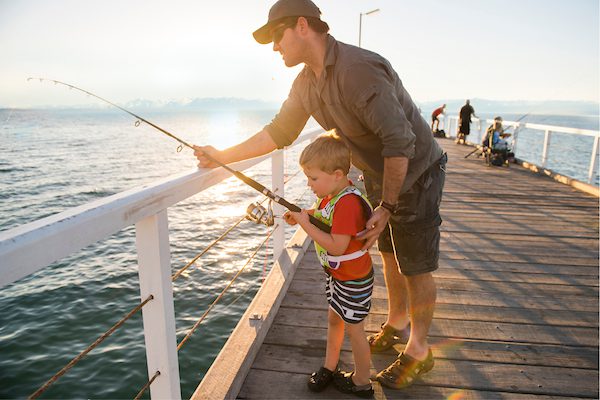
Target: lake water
[[52, 160]]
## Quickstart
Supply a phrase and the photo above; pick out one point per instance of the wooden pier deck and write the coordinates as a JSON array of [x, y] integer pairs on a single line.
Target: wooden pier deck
[[517, 309]]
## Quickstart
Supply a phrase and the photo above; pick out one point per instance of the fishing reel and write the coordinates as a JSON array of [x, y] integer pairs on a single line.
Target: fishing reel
[[261, 215]]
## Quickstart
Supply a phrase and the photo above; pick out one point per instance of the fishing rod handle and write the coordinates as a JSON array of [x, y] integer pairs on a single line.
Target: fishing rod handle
[[313, 220], [319, 224]]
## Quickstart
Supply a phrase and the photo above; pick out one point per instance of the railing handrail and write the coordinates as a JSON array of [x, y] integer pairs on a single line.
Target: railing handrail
[[543, 127], [107, 216]]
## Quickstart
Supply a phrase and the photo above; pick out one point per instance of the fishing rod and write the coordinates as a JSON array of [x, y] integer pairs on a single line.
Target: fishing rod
[[477, 147], [247, 180]]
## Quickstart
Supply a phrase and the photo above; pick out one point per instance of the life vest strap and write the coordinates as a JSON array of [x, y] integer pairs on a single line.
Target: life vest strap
[[346, 257]]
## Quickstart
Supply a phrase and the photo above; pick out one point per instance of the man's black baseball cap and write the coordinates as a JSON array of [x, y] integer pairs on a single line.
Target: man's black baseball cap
[[282, 9]]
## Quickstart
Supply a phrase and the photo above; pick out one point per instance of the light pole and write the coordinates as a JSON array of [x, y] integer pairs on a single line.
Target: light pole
[[360, 23]]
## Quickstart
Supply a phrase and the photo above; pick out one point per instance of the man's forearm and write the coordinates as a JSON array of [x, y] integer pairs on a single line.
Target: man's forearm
[[394, 173], [259, 144]]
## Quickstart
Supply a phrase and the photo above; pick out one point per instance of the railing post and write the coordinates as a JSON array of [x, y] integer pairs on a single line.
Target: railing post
[[154, 264], [445, 119], [452, 132], [277, 181], [545, 149], [515, 137], [482, 129], [594, 160], [455, 129]]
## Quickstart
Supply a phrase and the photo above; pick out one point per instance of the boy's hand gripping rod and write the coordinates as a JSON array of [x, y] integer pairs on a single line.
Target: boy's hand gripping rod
[[248, 181]]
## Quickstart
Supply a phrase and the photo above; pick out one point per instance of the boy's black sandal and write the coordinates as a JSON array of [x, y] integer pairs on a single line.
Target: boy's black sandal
[[319, 380], [345, 384]]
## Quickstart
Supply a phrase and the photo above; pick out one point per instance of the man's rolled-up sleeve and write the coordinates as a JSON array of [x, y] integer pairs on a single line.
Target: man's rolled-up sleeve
[[377, 101], [291, 119]]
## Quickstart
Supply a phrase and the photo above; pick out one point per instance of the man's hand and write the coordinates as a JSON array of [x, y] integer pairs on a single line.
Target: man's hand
[[375, 225], [204, 162]]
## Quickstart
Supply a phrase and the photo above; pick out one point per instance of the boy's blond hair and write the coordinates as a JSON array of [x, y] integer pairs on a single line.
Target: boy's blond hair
[[328, 153]]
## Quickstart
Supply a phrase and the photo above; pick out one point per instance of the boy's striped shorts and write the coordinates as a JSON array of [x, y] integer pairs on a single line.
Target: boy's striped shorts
[[351, 300]]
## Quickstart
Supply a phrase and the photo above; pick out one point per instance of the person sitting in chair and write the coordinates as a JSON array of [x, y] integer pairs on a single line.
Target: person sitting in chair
[[495, 142]]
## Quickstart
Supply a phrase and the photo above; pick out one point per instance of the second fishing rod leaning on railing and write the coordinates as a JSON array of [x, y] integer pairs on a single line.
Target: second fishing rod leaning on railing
[[27, 249], [450, 124]]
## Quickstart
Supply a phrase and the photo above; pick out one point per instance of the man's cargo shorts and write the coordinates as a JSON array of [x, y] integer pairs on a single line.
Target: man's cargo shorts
[[415, 228]]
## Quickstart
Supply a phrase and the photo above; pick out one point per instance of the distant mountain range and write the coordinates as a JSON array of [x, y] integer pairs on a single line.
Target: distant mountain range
[[557, 107], [212, 103]]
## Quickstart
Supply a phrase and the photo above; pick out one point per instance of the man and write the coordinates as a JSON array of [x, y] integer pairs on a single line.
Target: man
[[359, 94], [464, 122], [435, 121]]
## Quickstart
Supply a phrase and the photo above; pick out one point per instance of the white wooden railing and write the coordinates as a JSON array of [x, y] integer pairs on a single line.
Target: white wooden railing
[[31, 247], [451, 127]]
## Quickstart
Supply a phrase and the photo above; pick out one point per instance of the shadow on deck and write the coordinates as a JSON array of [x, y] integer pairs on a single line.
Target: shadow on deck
[[517, 309]]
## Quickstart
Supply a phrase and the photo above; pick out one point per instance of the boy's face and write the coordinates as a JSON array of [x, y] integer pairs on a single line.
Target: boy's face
[[321, 182]]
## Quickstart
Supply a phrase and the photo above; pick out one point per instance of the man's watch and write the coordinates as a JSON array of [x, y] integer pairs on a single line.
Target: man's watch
[[390, 207]]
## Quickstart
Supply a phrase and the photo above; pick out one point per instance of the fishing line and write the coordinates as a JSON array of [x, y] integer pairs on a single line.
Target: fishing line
[[9, 115], [249, 181]]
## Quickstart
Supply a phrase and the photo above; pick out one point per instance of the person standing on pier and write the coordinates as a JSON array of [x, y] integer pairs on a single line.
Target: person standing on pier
[[464, 122], [349, 269], [359, 94], [435, 118]]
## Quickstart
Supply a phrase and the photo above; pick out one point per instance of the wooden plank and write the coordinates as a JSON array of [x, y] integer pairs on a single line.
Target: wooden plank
[[455, 207], [578, 282], [574, 303], [509, 258], [265, 384], [482, 330], [523, 231], [493, 226], [527, 202], [471, 375], [496, 200], [485, 210], [452, 191], [314, 306], [552, 269], [468, 213]]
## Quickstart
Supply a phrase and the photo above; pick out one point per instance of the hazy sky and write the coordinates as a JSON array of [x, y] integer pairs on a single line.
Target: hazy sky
[[175, 50]]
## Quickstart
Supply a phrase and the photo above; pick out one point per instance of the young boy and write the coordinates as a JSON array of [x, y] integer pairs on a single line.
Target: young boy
[[326, 163]]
